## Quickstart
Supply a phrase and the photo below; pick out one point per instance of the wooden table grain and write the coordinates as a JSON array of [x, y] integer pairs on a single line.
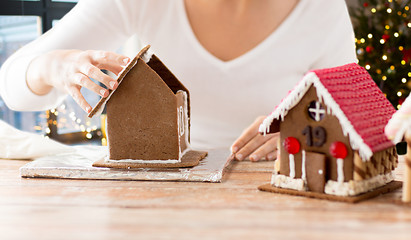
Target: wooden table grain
[[233, 209]]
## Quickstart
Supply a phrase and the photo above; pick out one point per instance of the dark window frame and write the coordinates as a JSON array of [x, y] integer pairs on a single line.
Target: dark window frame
[[48, 11]]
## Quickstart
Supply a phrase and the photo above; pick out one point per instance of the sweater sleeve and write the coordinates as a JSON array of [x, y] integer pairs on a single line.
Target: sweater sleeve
[[91, 24]]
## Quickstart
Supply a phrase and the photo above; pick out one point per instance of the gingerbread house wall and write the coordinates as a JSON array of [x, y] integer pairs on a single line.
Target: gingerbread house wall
[[182, 120], [294, 123], [381, 163], [142, 118]]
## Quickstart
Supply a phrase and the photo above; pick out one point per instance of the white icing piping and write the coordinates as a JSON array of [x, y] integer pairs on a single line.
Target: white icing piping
[[352, 188], [357, 143], [401, 132], [340, 170], [303, 174], [292, 166], [283, 181], [147, 55], [143, 161], [185, 130]]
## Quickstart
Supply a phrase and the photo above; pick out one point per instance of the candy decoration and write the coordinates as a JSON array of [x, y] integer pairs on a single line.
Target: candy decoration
[[339, 151], [292, 146]]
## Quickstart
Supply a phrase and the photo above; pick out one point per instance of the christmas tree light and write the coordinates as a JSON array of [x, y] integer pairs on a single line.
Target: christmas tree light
[[383, 41]]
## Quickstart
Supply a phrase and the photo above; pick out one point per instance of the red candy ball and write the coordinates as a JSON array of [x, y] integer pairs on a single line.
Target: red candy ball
[[338, 150], [292, 145]]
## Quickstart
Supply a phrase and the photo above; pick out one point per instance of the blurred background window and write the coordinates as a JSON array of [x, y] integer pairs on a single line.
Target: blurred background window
[[16, 31], [22, 21]]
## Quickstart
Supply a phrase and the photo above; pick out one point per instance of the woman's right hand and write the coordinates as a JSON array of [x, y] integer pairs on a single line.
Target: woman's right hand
[[70, 70]]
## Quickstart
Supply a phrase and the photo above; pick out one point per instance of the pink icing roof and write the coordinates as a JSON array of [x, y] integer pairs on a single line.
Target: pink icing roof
[[361, 101]]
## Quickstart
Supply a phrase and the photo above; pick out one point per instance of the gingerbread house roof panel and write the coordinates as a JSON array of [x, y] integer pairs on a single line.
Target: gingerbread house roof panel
[[361, 101]]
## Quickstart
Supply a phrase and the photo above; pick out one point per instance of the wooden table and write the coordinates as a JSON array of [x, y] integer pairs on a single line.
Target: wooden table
[[234, 209]]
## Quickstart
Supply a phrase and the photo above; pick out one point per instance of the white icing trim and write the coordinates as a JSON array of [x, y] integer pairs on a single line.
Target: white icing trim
[[303, 171], [185, 130], [147, 55], [294, 97], [142, 161], [352, 188], [283, 181], [405, 125], [340, 170], [292, 165]]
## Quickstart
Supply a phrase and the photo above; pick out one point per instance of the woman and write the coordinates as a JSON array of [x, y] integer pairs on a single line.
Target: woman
[[237, 58]]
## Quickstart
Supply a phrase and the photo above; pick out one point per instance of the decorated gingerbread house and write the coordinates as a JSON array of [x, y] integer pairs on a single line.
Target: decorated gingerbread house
[[332, 138], [148, 118], [398, 130]]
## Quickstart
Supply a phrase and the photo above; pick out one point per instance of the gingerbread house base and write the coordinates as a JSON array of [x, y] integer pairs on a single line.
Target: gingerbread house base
[[351, 199], [190, 159]]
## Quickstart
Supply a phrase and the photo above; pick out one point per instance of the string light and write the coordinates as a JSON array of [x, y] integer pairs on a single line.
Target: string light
[[89, 136], [64, 120], [403, 80], [373, 10], [369, 35], [382, 41], [399, 94], [384, 57]]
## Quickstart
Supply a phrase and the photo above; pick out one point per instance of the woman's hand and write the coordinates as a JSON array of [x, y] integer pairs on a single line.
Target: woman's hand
[[70, 70], [255, 146]]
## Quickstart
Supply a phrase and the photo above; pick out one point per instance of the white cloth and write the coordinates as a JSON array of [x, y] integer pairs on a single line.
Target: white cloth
[[16, 144], [225, 96]]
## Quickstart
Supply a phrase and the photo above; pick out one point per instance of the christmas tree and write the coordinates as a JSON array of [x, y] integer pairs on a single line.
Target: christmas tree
[[383, 39]]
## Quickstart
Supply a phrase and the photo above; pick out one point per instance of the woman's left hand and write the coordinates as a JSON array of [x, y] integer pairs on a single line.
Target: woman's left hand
[[251, 144]]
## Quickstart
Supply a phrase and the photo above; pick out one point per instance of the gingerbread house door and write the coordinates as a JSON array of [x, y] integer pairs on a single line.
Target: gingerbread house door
[[315, 171]]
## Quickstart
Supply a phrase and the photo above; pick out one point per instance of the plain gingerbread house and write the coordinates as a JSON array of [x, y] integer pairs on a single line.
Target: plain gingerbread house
[[148, 117]]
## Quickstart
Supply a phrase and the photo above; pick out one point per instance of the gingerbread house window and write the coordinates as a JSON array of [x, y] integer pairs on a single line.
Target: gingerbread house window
[[316, 111]]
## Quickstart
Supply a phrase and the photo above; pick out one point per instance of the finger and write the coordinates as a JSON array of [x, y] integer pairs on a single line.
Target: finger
[[265, 150], [248, 134], [84, 81], [110, 61], [94, 72], [79, 98], [272, 155], [251, 146]]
